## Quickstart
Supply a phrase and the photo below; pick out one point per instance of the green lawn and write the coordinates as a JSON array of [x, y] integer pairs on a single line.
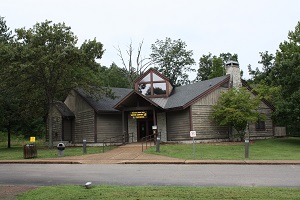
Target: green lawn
[[271, 149], [17, 143], [161, 192], [16, 153]]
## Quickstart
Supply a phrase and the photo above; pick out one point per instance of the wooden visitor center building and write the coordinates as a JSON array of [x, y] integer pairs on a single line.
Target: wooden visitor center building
[[154, 103]]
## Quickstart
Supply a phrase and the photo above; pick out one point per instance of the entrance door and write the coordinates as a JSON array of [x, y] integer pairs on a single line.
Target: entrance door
[[144, 128]]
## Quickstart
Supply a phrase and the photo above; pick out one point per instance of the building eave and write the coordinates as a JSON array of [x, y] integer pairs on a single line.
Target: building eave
[[139, 94]]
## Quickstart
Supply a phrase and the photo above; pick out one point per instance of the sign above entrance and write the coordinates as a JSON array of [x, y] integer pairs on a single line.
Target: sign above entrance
[[138, 115]]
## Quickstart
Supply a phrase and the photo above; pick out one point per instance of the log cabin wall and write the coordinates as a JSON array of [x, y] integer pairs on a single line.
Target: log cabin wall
[[269, 128], [84, 118], [178, 125], [202, 122], [108, 125], [84, 126]]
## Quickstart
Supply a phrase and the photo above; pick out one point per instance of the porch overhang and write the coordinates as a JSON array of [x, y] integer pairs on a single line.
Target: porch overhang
[[135, 101]]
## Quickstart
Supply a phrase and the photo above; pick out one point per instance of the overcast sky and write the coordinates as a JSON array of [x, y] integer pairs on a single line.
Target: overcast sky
[[245, 27]]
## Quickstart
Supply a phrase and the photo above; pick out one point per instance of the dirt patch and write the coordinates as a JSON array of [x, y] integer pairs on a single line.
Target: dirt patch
[[9, 192]]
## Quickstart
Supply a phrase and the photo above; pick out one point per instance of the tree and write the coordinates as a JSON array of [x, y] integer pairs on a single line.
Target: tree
[[173, 60], [46, 64], [213, 66], [267, 62], [237, 108], [133, 71], [205, 67], [261, 80], [5, 33], [286, 74], [8, 103], [115, 77]]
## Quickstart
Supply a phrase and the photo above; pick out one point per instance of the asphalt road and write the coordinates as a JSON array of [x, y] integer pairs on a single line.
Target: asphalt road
[[158, 175]]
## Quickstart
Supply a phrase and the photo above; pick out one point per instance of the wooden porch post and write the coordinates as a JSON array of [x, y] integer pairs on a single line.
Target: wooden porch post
[[154, 123], [191, 119], [123, 126], [154, 117]]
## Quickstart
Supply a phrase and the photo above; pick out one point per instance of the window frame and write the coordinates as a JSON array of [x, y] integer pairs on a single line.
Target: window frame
[[260, 125], [152, 82]]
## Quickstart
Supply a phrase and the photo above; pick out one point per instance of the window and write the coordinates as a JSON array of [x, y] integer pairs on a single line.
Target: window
[[159, 88], [260, 125], [156, 78], [145, 88], [152, 85], [146, 78]]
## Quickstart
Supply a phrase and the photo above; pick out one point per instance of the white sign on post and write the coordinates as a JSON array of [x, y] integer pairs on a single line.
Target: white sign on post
[[192, 134]]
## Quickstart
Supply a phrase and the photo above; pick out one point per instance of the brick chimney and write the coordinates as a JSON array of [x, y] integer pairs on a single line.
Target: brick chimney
[[232, 68]]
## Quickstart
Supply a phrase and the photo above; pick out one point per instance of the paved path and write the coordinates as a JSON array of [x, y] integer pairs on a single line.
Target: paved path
[[121, 155]]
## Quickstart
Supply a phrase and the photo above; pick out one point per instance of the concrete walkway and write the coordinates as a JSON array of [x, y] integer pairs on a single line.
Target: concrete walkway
[[132, 154]]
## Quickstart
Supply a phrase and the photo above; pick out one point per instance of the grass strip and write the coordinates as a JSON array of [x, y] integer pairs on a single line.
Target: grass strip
[[159, 192], [270, 149]]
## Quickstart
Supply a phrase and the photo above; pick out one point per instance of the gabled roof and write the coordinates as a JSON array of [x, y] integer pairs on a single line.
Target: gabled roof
[[136, 93], [147, 72], [184, 96], [63, 109], [181, 97], [105, 104]]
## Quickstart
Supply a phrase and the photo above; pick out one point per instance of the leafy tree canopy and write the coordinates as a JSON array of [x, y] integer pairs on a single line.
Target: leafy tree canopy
[[279, 80], [286, 75], [5, 33], [173, 60], [115, 77], [267, 62], [48, 64], [213, 66], [44, 63]]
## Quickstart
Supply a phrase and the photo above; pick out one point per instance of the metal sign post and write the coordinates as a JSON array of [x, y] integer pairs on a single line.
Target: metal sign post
[[193, 135], [246, 148]]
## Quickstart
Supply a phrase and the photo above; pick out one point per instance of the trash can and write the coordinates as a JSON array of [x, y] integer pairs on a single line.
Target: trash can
[[61, 149], [30, 151]]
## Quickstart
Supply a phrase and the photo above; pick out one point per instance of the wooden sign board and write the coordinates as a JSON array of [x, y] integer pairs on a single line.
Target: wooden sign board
[[138, 115], [192, 134]]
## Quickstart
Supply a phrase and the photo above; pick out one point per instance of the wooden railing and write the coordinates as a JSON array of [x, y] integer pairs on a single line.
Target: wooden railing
[[117, 140]]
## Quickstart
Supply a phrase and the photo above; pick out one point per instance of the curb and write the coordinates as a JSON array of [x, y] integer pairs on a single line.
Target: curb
[[179, 162], [38, 162], [215, 162]]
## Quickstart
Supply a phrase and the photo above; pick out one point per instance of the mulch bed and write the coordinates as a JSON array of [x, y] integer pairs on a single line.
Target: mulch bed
[[9, 192]]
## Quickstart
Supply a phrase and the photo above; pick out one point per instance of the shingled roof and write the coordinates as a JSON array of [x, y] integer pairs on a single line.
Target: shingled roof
[[180, 98], [105, 104], [63, 109]]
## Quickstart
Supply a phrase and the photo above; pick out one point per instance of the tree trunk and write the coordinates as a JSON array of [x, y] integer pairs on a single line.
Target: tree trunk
[[50, 129]]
